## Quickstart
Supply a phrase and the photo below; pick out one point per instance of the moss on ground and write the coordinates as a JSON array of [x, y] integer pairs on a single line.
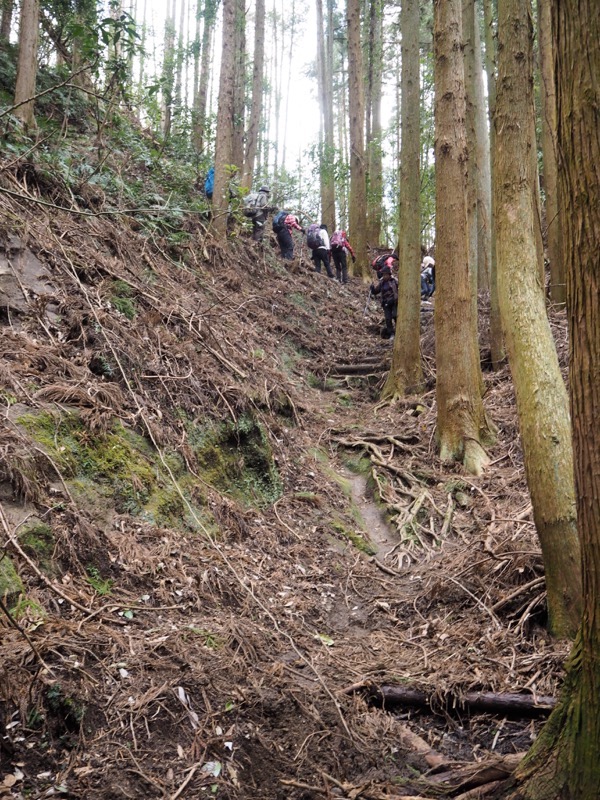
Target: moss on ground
[[10, 583], [237, 460], [37, 540], [121, 468]]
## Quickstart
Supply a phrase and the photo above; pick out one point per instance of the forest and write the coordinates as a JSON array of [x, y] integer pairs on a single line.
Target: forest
[[250, 547]]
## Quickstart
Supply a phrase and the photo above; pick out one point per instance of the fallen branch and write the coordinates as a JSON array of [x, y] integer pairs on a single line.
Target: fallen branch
[[510, 703]]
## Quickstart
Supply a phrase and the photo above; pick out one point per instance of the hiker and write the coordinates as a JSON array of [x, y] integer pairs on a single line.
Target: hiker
[[256, 208], [384, 260], [317, 239], [283, 224], [387, 287], [339, 247], [427, 277]]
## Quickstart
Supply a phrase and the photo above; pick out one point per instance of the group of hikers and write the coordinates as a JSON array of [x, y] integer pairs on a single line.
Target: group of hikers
[[325, 250]]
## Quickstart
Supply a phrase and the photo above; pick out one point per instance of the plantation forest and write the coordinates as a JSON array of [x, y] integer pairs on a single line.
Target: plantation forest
[[275, 525]]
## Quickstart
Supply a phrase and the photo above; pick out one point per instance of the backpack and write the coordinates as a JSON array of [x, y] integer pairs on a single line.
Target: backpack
[[381, 261], [337, 241], [313, 236], [279, 219], [251, 204], [209, 183]]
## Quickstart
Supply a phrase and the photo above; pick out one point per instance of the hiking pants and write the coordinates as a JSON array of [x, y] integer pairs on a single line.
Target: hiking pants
[[321, 256], [286, 243], [390, 310], [341, 264], [258, 226]]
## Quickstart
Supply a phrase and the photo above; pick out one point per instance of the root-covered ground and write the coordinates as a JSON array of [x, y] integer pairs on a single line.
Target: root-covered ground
[[228, 548]]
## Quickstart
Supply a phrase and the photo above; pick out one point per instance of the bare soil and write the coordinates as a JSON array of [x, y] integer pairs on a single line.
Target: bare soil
[[241, 658]]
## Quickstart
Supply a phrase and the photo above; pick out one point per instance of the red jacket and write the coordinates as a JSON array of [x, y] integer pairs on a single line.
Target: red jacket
[[291, 223]]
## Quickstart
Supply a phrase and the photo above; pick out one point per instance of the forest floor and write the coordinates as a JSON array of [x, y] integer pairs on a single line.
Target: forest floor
[[249, 634]]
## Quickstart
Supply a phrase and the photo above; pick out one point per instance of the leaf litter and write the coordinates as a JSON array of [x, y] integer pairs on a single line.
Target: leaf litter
[[237, 653]]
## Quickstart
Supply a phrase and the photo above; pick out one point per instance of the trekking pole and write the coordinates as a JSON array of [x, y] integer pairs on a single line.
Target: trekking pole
[[368, 301]]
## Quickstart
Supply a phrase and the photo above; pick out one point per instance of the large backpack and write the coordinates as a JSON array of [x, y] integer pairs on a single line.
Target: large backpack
[[385, 259], [313, 236], [279, 220], [337, 240], [209, 183], [251, 205]]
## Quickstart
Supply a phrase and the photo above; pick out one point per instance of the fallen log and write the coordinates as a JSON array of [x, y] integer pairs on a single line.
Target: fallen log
[[357, 369], [509, 704]]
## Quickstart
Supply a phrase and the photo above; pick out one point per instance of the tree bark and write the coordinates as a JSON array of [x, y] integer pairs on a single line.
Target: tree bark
[[558, 287], [497, 351], [224, 134], [374, 132], [327, 150], [406, 373], [257, 94], [461, 423], [201, 100], [542, 402], [239, 111], [27, 63], [358, 204], [563, 763], [6, 20], [168, 71], [484, 180]]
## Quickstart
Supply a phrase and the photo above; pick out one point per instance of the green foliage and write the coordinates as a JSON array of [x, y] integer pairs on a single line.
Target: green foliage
[[102, 586], [121, 299], [68, 709]]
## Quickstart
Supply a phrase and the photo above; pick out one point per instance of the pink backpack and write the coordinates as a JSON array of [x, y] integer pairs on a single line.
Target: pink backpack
[[337, 240]]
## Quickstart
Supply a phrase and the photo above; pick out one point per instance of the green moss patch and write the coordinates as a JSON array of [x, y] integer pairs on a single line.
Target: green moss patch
[[37, 540], [237, 460], [10, 583], [354, 537], [121, 469]]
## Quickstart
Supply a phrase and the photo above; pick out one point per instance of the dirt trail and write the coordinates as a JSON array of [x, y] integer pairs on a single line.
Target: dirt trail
[[379, 533]]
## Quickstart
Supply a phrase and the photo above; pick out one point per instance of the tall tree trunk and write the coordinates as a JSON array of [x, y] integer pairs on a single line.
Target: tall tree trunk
[[256, 107], [142, 60], [224, 134], [374, 132], [558, 288], [484, 185], [27, 63], [327, 148], [168, 71], [178, 57], [406, 374], [357, 226], [200, 125], [239, 95], [563, 762], [496, 336], [468, 29], [542, 403], [462, 424], [6, 19]]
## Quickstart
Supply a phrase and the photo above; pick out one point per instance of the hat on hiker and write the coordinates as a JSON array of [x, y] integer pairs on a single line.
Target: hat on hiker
[[265, 189]]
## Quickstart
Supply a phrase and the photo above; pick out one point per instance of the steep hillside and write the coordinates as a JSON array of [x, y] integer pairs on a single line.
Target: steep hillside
[[218, 546]]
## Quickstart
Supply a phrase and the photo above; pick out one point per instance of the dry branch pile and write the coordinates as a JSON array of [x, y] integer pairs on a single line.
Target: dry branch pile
[[161, 660]]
